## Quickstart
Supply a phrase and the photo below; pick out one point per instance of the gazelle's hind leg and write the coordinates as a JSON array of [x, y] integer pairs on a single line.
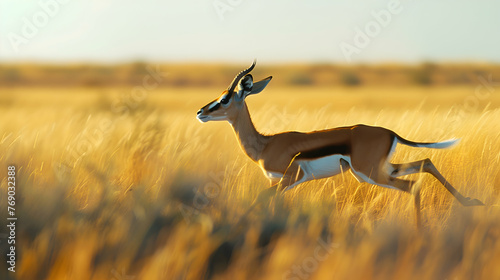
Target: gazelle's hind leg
[[385, 180], [406, 185], [379, 150], [427, 166]]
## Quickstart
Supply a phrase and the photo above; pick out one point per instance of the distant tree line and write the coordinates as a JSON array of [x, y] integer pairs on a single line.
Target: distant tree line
[[206, 75]]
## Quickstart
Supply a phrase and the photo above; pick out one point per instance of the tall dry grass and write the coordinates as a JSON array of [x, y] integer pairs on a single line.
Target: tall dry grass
[[150, 193]]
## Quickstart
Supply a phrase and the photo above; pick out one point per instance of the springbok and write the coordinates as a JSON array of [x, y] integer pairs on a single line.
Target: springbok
[[291, 158]]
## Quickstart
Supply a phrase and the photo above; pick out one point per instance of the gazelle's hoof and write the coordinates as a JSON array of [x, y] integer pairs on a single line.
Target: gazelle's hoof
[[473, 202]]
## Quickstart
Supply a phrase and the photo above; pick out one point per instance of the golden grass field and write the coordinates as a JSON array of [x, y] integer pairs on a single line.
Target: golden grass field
[[112, 187]]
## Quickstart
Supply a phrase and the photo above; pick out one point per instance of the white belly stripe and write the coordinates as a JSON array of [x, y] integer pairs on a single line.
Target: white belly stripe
[[323, 168]]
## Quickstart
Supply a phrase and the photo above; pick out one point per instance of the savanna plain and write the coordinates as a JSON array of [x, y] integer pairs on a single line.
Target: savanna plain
[[112, 186]]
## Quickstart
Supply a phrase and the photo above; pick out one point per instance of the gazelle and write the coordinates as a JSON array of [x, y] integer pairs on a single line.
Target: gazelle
[[291, 158]]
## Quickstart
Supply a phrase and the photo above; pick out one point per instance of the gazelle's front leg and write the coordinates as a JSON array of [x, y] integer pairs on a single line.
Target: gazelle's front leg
[[262, 197], [409, 187], [291, 178], [265, 195]]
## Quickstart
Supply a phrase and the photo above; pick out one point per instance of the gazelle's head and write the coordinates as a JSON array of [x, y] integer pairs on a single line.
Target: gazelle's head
[[231, 101]]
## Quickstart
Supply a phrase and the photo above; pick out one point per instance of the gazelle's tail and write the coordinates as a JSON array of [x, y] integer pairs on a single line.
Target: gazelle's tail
[[433, 145]]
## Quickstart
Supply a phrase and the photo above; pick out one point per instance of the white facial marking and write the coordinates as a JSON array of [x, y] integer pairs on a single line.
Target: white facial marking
[[224, 97], [213, 105]]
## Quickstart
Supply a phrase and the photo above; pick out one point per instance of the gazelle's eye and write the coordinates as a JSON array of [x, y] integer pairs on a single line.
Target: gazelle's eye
[[224, 100]]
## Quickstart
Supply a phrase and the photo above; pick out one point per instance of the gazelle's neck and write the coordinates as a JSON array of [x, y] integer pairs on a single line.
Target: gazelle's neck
[[251, 141]]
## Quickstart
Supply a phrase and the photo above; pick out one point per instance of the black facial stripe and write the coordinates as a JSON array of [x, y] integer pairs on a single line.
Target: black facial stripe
[[325, 151], [215, 107]]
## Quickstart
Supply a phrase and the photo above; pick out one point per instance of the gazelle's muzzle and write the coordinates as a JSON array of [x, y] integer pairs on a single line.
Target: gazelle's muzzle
[[202, 118]]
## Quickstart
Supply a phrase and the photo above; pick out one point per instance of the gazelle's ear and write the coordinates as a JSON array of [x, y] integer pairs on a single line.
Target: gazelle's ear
[[245, 86], [260, 85]]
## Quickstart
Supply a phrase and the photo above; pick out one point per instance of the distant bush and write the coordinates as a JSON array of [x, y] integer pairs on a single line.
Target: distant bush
[[350, 79], [12, 75], [301, 79], [423, 75], [219, 75]]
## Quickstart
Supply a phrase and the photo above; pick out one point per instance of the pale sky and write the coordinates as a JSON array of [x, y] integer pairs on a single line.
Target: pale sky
[[281, 31]]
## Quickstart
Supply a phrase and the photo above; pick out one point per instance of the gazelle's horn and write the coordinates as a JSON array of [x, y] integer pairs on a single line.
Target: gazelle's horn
[[238, 77]]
